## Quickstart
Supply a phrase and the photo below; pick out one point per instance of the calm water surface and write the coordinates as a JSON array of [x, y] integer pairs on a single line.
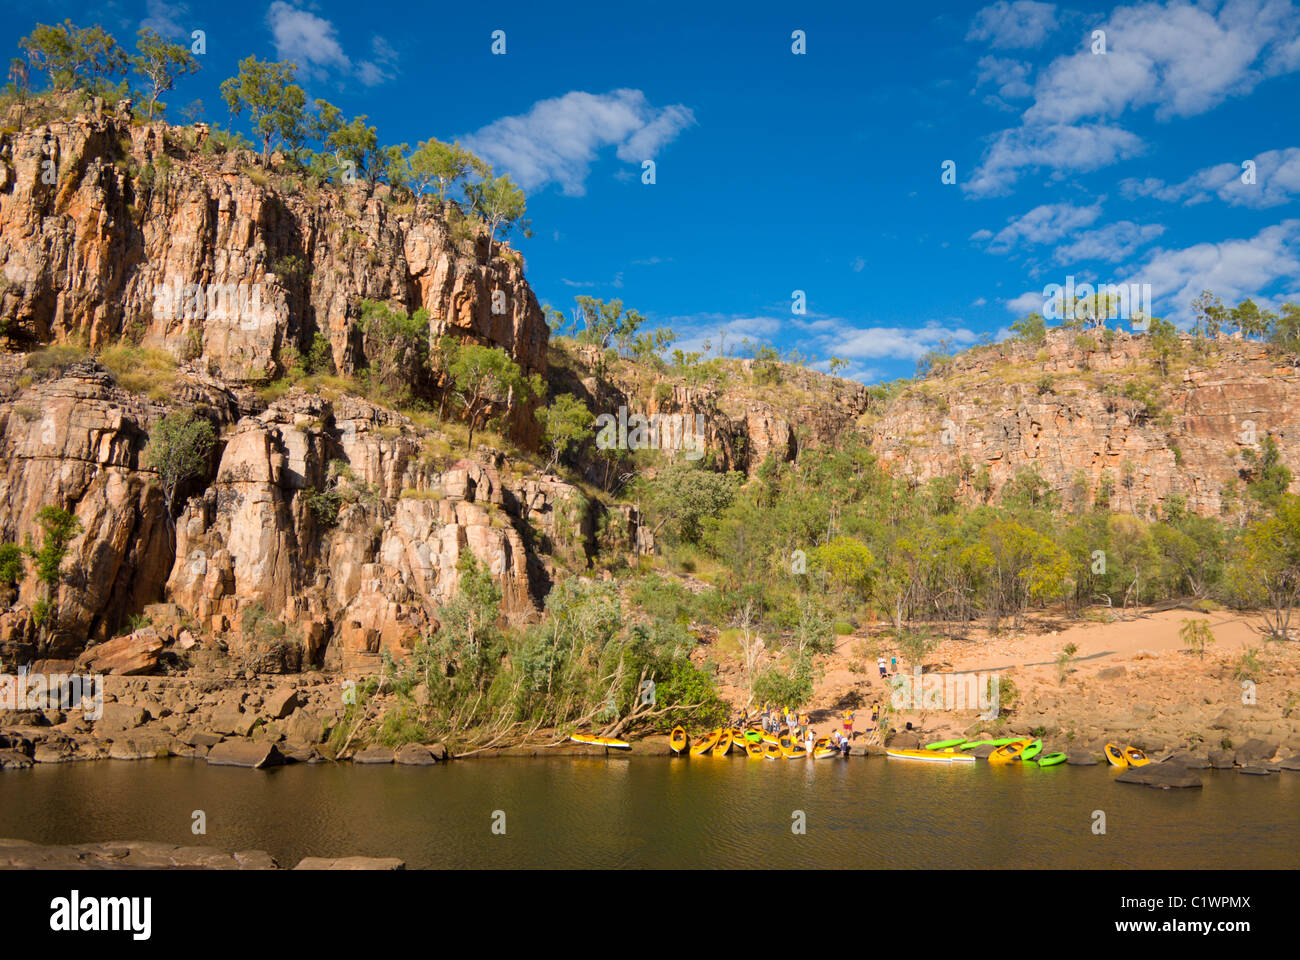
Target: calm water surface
[[656, 812]]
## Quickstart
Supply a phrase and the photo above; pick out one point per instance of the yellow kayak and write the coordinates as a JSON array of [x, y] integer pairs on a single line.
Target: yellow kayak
[[705, 744], [791, 750], [1009, 753], [931, 756], [601, 741], [825, 752], [1115, 756], [771, 751], [769, 737], [723, 745], [1135, 757], [677, 740], [754, 750]]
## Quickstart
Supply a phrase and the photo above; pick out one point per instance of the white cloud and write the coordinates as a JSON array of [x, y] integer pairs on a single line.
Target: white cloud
[[1022, 23], [1111, 243], [1046, 223], [979, 302], [1057, 147], [1233, 269], [1030, 302], [1178, 58], [1277, 181], [164, 18], [557, 140], [844, 339], [306, 39], [1011, 77], [312, 43]]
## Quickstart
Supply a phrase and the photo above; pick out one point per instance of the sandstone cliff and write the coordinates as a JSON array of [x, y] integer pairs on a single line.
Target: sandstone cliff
[[209, 256]]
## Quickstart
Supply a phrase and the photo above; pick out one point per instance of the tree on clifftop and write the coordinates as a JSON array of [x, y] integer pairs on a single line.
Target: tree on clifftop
[[69, 54], [276, 105], [499, 202], [160, 62]]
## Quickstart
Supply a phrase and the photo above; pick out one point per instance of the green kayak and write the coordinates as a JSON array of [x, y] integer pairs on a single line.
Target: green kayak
[[946, 744], [1031, 751], [1051, 759], [972, 744]]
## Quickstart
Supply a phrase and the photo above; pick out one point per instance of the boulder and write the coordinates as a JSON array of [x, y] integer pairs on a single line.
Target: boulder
[[244, 753], [1254, 750], [1080, 758], [906, 740], [1191, 761], [281, 703], [1112, 673], [375, 754], [1164, 776], [350, 863], [1290, 763], [144, 747], [14, 760], [415, 755], [1256, 769], [127, 656], [1220, 759], [121, 716]]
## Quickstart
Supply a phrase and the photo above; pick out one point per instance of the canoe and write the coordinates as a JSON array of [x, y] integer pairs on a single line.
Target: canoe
[[753, 750], [825, 753], [946, 744], [1031, 751], [1051, 759], [601, 741], [1115, 756], [972, 744], [791, 750], [771, 751], [1008, 753], [1135, 757], [677, 740], [723, 745], [930, 756], [705, 744]]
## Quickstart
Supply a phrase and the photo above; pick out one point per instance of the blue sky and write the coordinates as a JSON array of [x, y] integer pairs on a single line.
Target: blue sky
[[821, 172]]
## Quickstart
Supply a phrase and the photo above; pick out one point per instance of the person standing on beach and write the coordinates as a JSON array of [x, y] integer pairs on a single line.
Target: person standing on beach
[[880, 662], [848, 724], [875, 714]]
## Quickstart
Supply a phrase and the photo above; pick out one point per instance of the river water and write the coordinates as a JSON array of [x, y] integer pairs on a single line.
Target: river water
[[654, 812]]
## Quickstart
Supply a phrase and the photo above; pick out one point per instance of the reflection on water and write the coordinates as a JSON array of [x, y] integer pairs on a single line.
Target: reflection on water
[[628, 811]]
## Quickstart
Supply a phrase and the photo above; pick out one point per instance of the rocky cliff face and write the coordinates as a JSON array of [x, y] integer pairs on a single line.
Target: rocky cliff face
[[109, 229], [112, 231], [331, 516], [1084, 419]]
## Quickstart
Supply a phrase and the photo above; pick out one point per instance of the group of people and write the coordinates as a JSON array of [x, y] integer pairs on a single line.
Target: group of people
[[773, 719]]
